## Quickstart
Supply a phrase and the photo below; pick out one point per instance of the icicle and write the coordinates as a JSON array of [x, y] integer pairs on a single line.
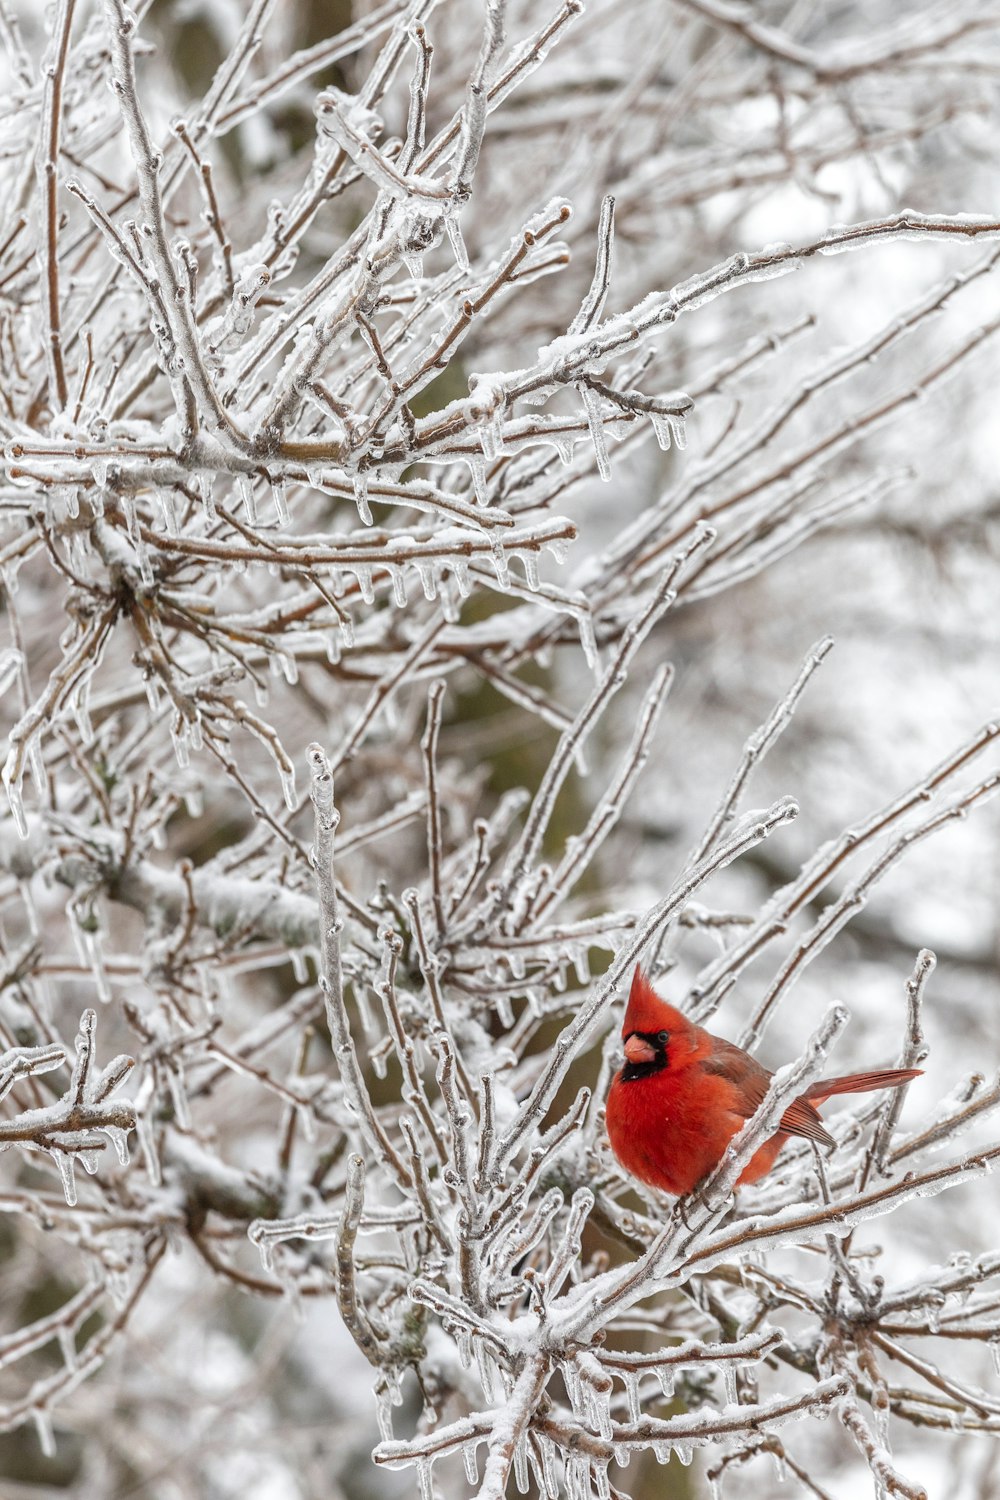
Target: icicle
[[487, 1373], [463, 1343], [179, 738], [145, 566], [549, 1473], [521, 1466], [678, 428], [631, 1379], [427, 580], [131, 520], [478, 467], [577, 1471], [499, 560], [588, 640], [77, 552], [88, 944], [245, 485], [471, 1464], [307, 1121], [169, 500], [729, 1382], [178, 1097], [258, 1234], [529, 562], [425, 1483], [204, 486], [453, 230], [602, 1482], [398, 587], [460, 573], [565, 452], [383, 1413], [280, 495], [36, 765], [119, 1140], [15, 798], [44, 1431], [595, 423], [574, 1386], [360, 483], [64, 1163], [516, 963], [683, 1453], [288, 786], [364, 577], [414, 263], [67, 1346], [147, 1146]]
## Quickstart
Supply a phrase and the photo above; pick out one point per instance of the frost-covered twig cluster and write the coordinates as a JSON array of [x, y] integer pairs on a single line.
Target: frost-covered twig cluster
[[346, 530]]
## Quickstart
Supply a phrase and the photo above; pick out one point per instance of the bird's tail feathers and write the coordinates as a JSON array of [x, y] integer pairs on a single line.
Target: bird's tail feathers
[[861, 1083]]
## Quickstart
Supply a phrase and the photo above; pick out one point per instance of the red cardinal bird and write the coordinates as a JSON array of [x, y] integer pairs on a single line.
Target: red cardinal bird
[[684, 1093]]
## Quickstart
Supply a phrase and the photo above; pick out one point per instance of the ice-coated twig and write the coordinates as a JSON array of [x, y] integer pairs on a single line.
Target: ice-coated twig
[[509, 1428], [356, 1320], [48, 178], [758, 745], [836, 915], [888, 1478], [326, 820], [573, 741], [22, 1062], [593, 303], [429, 743], [582, 849], [147, 160], [912, 1054], [820, 869], [697, 1428]]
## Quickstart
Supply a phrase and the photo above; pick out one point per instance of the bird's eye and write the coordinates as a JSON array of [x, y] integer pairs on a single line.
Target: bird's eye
[[663, 1037]]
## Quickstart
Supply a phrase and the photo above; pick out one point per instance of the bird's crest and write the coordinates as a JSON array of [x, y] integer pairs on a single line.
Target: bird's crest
[[646, 1011]]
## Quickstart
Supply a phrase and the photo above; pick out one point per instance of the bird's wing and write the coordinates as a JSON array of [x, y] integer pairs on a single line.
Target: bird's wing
[[752, 1081]]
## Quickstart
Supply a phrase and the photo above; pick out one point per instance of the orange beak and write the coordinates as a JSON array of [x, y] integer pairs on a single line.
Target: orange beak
[[638, 1051]]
